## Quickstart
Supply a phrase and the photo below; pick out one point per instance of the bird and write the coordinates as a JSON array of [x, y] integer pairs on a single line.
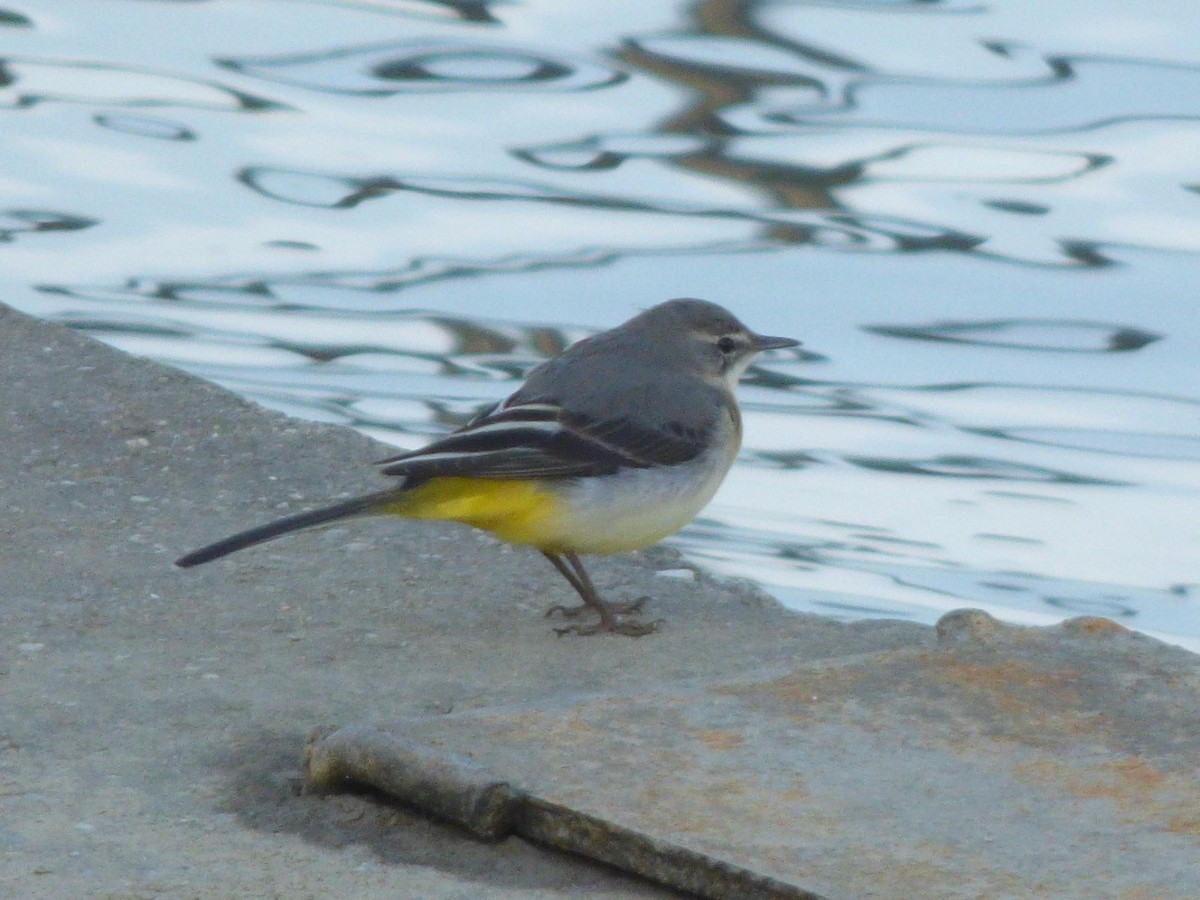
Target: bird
[[612, 445]]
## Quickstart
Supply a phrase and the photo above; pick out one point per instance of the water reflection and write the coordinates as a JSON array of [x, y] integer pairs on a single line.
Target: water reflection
[[987, 245], [385, 69], [464, 10], [837, 230], [1029, 334], [145, 126], [16, 222], [974, 467], [11, 19], [30, 82]]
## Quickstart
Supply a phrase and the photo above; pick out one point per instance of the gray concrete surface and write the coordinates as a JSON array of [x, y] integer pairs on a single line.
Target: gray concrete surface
[[1003, 762], [152, 721]]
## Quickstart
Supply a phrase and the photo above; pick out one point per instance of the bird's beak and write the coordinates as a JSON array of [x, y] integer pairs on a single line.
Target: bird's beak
[[761, 342]]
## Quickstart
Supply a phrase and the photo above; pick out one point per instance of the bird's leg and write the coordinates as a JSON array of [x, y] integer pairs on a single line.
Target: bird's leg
[[570, 567], [631, 606], [573, 579]]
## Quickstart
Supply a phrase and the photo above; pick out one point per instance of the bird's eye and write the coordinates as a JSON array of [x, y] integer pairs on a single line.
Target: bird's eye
[[726, 344]]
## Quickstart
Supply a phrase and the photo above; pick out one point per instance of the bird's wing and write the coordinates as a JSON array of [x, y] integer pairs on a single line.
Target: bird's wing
[[541, 439]]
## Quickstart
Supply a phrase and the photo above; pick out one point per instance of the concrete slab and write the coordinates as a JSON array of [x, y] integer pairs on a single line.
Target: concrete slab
[[1004, 762], [152, 721]]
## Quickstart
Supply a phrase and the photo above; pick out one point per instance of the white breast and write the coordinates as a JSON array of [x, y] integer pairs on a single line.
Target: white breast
[[635, 508]]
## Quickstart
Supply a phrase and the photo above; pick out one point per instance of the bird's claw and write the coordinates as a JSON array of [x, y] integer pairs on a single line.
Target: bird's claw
[[630, 628], [610, 619]]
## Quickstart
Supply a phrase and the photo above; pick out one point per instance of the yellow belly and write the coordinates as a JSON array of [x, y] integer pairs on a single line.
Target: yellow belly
[[516, 511]]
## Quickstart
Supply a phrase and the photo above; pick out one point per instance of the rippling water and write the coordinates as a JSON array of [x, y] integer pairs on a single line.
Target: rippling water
[[983, 219]]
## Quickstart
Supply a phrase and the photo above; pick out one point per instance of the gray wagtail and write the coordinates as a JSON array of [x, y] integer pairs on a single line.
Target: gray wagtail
[[611, 446]]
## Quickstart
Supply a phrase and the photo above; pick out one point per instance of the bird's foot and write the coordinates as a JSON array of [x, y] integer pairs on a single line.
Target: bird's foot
[[628, 627], [610, 621], [617, 609]]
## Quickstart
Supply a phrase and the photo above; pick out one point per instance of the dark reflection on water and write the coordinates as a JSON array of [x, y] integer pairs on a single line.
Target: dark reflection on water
[[145, 126], [974, 467], [12, 19], [1130, 444], [1029, 334], [15, 222], [982, 220], [840, 230], [29, 82], [384, 69]]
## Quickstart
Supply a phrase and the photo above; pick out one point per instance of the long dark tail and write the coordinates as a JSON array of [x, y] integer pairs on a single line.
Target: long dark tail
[[359, 506]]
